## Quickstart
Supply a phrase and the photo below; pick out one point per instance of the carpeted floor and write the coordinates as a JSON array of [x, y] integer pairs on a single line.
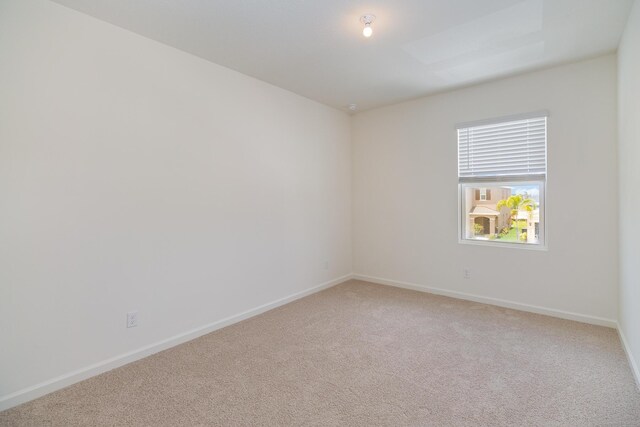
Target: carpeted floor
[[364, 354]]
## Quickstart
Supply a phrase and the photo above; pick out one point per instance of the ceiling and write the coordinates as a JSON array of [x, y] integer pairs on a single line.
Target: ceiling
[[315, 47]]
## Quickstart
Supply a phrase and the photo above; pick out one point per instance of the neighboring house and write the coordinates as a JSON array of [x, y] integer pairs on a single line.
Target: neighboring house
[[482, 203], [533, 224]]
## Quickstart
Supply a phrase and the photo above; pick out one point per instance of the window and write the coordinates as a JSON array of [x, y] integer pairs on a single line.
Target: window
[[502, 170]]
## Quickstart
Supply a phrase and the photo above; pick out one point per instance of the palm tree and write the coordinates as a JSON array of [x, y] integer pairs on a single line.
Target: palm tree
[[516, 203]]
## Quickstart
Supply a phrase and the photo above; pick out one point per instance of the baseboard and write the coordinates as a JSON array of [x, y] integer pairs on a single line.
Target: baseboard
[[70, 378], [584, 318], [632, 361]]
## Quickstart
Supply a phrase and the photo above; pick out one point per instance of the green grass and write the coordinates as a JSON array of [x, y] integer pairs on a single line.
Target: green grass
[[511, 236]]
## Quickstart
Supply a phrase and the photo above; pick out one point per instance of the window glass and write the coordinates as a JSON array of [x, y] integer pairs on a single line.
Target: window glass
[[505, 213]]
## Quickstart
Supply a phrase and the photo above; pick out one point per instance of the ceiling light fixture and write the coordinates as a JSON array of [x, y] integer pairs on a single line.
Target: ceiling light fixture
[[367, 20]]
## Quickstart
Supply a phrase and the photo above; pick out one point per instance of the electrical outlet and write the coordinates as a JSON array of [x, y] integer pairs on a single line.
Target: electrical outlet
[[132, 319], [467, 273]]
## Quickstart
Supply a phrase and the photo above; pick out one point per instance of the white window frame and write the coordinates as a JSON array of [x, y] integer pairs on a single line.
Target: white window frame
[[499, 181], [462, 214]]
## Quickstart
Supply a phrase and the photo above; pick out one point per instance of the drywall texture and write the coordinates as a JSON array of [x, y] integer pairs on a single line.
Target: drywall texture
[[629, 154], [138, 177], [406, 198]]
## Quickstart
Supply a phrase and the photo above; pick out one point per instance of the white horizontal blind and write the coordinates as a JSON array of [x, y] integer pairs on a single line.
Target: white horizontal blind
[[508, 150]]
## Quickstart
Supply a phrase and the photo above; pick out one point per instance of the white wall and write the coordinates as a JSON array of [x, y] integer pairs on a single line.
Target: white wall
[[405, 194], [136, 176], [629, 155]]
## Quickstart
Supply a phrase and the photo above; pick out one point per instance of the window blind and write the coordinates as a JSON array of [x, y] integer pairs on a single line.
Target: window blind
[[514, 149]]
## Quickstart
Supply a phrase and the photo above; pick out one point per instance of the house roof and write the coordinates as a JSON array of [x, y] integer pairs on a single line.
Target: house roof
[[484, 211]]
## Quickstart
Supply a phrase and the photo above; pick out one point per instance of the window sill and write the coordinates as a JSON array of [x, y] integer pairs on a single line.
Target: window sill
[[493, 243]]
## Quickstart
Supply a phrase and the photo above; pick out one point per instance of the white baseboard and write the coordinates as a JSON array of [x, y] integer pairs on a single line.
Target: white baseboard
[[67, 379], [632, 361], [584, 318]]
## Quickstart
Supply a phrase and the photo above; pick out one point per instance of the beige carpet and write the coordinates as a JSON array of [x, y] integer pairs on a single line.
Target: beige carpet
[[363, 354]]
